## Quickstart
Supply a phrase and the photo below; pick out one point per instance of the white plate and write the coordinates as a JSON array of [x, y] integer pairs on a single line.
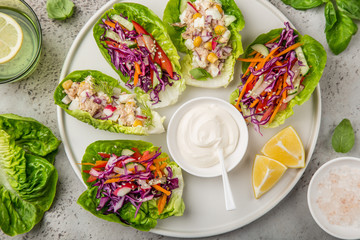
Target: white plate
[[205, 213], [342, 232]]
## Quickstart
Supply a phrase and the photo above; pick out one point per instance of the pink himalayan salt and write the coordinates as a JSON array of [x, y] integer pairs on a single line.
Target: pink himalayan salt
[[339, 196]]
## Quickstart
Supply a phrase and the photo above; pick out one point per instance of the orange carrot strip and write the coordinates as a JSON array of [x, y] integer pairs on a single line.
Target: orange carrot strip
[[250, 59], [162, 166], [158, 160], [161, 189], [278, 106], [274, 39], [112, 180], [137, 73], [152, 168], [253, 104], [110, 24], [88, 164], [292, 47], [162, 203]]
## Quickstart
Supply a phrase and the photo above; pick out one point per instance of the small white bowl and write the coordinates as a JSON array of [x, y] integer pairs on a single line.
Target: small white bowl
[[231, 161], [343, 232]]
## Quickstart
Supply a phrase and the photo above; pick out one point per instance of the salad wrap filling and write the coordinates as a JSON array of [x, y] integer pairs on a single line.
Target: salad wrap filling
[[208, 32], [134, 41], [131, 182], [99, 100], [280, 69]]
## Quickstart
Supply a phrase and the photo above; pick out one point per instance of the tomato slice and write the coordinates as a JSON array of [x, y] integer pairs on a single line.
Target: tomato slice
[[137, 153], [91, 178], [104, 155], [139, 29], [163, 60]]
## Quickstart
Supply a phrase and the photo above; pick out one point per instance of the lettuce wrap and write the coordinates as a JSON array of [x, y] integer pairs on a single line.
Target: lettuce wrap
[[151, 120], [27, 179], [144, 216], [312, 60], [134, 41], [171, 17]]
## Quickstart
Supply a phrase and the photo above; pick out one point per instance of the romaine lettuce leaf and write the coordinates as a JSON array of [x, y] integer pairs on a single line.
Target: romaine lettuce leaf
[[171, 15], [153, 25], [30, 135], [148, 214], [153, 123], [27, 187], [315, 55]]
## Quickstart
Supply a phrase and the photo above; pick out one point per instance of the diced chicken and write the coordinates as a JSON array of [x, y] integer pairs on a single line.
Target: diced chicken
[[189, 44]]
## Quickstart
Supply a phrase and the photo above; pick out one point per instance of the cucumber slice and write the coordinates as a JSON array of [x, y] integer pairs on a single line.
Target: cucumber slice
[[229, 19], [155, 79], [122, 21], [304, 68], [262, 49], [127, 152], [114, 36], [139, 166]]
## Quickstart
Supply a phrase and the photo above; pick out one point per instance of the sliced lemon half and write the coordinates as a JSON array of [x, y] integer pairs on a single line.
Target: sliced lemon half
[[287, 148], [266, 173], [11, 38]]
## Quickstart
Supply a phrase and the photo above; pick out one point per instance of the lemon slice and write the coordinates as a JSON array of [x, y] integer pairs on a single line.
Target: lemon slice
[[11, 37], [265, 174], [287, 148]]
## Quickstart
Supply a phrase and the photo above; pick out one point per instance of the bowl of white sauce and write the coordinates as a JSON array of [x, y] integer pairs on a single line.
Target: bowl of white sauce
[[334, 197], [199, 128]]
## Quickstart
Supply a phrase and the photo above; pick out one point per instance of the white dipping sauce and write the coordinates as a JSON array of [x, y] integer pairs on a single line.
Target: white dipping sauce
[[203, 130]]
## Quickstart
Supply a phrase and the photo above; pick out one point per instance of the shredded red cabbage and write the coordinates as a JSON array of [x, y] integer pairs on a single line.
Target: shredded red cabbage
[[267, 79], [123, 58], [139, 178]]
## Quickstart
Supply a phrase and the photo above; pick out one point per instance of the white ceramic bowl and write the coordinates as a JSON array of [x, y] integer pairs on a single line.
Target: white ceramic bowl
[[231, 161], [343, 232]]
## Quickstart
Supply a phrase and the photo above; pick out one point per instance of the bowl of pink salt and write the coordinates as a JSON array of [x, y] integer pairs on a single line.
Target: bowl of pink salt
[[334, 197]]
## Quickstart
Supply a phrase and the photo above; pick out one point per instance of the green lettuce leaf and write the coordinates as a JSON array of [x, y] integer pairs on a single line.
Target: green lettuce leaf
[[315, 55], [148, 213], [171, 15], [27, 187], [153, 124], [30, 135], [153, 25]]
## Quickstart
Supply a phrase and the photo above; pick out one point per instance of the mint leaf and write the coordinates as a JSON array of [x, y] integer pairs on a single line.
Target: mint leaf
[[60, 9], [343, 138]]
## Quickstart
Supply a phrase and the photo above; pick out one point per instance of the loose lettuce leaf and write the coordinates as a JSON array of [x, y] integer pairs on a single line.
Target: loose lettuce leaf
[[171, 15], [316, 58], [153, 25], [154, 121], [304, 4], [148, 214], [30, 135], [27, 187]]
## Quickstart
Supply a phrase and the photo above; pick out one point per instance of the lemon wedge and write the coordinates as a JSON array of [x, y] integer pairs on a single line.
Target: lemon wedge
[[287, 148], [266, 173], [11, 38]]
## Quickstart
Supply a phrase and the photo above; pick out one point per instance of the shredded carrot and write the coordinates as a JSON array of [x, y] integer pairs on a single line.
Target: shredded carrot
[[158, 169], [137, 73], [110, 24], [163, 165], [161, 189], [87, 164], [152, 168], [158, 160], [250, 59], [253, 104], [279, 105], [162, 203], [273, 40], [292, 47], [112, 180]]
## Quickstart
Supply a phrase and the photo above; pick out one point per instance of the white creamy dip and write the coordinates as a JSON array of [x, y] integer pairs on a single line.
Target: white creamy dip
[[203, 130]]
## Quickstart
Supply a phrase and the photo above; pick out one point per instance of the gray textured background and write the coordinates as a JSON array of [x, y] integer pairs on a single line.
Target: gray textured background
[[290, 219]]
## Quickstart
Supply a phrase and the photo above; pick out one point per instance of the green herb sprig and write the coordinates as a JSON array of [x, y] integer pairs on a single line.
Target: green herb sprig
[[339, 17]]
